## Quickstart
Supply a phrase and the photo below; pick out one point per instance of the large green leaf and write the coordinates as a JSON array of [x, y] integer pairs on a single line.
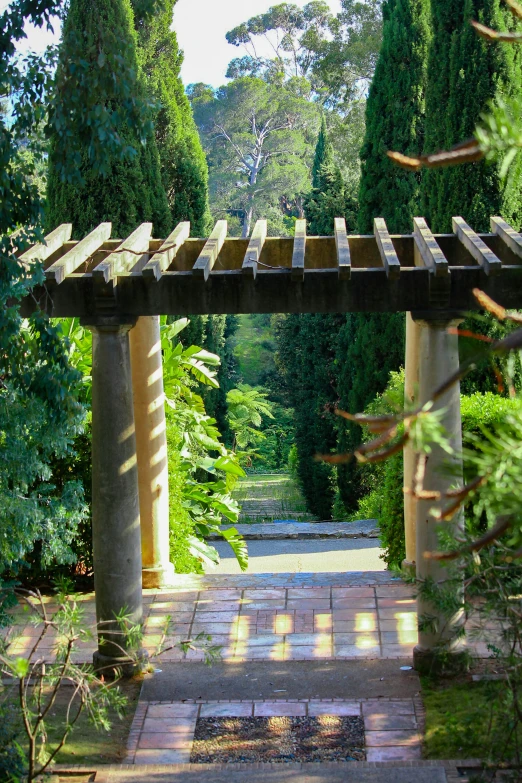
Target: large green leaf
[[208, 555], [238, 545]]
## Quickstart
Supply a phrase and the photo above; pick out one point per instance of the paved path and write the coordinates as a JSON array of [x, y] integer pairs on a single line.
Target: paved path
[[277, 624], [319, 556]]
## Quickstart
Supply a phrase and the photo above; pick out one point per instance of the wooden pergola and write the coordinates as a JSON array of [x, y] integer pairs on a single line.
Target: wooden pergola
[[119, 288]]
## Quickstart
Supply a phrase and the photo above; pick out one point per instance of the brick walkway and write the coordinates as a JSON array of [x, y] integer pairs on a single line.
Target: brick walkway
[[261, 623], [163, 732]]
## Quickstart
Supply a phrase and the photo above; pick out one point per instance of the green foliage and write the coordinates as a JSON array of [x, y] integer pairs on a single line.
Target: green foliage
[[183, 165], [128, 189], [258, 140], [11, 755], [395, 117], [383, 481], [39, 410], [466, 75], [210, 469], [328, 198], [369, 347], [278, 436], [247, 408]]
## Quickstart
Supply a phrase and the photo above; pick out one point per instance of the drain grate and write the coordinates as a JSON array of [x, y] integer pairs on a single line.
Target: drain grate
[[278, 739]]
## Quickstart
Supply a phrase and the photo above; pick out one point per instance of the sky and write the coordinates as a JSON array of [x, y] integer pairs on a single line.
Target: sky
[[201, 26]]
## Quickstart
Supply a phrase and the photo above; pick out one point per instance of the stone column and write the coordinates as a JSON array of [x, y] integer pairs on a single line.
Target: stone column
[[115, 501], [411, 390], [151, 442], [438, 360]]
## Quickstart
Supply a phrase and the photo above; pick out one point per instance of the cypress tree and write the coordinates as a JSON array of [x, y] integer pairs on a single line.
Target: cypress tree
[[306, 358], [131, 191], [395, 117], [465, 73], [328, 198], [183, 163]]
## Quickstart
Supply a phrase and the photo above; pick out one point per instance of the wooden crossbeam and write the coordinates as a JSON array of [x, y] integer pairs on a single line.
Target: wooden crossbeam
[[477, 247], [205, 263], [254, 249], [78, 255], [344, 260], [161, 260], [508, 235], [389, 257], [53, 242], [126, 255], [298, 255], [430, 251]]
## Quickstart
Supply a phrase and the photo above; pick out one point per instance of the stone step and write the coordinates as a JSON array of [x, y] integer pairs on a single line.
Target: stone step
[[275, 531], [354, 772]]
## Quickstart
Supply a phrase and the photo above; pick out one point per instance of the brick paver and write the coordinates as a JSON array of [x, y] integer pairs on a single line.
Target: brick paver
[[261, 623]]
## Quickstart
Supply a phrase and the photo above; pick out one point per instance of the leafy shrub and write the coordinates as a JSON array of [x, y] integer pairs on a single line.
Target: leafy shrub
[[180, 522], [383, 481], [12, 765]]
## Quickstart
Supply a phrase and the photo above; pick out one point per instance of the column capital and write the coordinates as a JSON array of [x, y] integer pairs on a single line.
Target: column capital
[[100, 323], [438, 319]]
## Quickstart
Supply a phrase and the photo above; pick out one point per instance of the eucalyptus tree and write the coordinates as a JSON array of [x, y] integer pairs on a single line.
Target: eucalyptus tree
[[259, 140]]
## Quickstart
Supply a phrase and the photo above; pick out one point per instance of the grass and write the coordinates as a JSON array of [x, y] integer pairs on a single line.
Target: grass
[[86, 745], [463, 719]]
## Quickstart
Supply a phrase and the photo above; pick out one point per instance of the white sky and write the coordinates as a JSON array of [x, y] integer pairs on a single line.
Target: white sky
[[201, 26]]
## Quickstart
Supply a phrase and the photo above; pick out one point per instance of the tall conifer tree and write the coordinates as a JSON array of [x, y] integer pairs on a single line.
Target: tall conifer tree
[[328, 198], [395, 117], [131, 190], [183, 163], [465, 73]]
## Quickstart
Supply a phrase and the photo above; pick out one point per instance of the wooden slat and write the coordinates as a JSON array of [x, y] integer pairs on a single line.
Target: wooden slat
[[389, 257], [205, 263], [431, 253], [508, 235], [53, 242], [126, 255], [298, 255], [68, 263], [477, 247], [344, 260], [254, 249], [161, 260]]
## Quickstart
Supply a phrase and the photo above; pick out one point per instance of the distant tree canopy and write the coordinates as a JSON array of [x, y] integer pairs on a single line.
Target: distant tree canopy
[[183, 165], [259, 140], [334, 53], [127, 191]]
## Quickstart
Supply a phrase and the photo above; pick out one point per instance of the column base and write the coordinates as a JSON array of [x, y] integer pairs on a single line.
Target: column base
[[113, 667], [435, 662], [409, 566], [158, 577]]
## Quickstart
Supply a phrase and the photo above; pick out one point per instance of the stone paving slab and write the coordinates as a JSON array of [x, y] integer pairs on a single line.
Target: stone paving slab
[[366, 528], [285, 623], [163, 732]]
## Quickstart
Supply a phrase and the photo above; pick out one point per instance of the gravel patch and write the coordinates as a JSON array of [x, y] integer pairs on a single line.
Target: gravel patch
[[278, 739]]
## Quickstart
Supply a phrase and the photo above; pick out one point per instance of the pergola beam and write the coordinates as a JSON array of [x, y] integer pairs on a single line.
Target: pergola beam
[[168, 251]]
